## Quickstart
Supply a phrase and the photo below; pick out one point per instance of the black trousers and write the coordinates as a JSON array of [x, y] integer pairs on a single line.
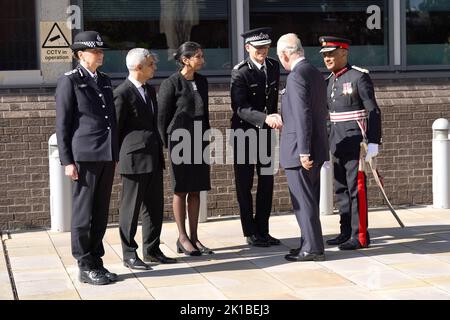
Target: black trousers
[[141, 193], [259, 223], [351, 196], [91, 194], [247, 158]]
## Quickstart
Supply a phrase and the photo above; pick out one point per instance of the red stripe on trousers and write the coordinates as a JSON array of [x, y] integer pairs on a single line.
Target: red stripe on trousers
[[362, 209]]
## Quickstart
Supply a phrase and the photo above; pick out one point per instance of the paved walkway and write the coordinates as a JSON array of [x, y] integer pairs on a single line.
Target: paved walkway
[[410, 263]]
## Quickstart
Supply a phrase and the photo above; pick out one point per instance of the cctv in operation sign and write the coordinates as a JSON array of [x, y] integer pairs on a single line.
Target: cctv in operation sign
[[55, 40]]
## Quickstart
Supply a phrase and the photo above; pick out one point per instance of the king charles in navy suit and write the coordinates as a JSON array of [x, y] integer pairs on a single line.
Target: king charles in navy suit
[[304, 143]]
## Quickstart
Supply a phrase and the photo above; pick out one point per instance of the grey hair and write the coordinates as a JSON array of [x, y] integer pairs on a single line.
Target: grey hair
[[137, 56], [290, 43]]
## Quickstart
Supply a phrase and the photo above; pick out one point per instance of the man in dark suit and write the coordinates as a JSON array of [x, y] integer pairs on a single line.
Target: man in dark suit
[[355, 117], [141, 161], [254, 99], [88, 148], [304, 143]]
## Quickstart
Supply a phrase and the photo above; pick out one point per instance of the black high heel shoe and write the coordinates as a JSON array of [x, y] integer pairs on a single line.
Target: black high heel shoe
[[181, 249], [203, 249]]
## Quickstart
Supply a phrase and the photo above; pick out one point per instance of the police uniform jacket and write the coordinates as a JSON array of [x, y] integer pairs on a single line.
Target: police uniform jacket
[[350, 90], [85, 118], [140, 143], [251, 99]]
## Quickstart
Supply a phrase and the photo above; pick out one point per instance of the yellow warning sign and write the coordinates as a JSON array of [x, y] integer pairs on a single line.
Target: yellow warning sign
[[55, 40]]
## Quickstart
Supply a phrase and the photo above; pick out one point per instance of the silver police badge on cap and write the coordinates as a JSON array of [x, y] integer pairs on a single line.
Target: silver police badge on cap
[[99, 40]]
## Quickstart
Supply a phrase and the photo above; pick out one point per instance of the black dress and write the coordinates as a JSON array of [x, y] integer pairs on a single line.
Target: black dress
[[183, 105]]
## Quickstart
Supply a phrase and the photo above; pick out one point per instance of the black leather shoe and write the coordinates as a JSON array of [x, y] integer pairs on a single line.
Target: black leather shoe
[[136, 263], [257, 242], [110, 275], [271, 240], [181, 249], [297, 250], [95, 277], [338, 240], [305, 256], [158, 256], [351, 244]]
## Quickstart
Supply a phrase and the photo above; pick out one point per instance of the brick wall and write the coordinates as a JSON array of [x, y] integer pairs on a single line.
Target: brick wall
[[27, 119]]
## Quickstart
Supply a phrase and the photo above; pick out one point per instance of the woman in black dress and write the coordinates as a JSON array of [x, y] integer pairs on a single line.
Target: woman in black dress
[[183, 105]]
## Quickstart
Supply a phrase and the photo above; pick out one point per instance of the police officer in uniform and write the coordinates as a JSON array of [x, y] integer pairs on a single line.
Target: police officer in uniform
[[354, 117], [88, 149], [254, 99]]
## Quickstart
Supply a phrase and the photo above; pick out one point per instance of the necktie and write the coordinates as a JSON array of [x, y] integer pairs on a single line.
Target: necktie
[[264, 71], [95, 77], [147, 98]]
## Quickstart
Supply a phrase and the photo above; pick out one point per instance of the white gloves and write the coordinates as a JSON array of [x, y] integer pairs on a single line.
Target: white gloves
[[372, 151]]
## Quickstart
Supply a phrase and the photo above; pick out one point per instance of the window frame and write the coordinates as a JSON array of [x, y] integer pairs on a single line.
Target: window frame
[[29, 73], [164, 74], [396, 19]]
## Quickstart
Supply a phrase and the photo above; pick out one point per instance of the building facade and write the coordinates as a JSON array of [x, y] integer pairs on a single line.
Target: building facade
[[404, 43]]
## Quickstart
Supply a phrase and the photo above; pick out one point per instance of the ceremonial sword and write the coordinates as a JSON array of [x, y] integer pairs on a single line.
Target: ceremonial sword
[[380, 185]]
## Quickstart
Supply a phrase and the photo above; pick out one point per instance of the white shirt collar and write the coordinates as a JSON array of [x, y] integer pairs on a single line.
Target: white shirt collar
[[296, 62], [136, 83], [259, 65]]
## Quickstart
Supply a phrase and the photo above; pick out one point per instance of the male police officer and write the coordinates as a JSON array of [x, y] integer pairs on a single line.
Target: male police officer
[[88, 148], [355, 117], [254, 99]]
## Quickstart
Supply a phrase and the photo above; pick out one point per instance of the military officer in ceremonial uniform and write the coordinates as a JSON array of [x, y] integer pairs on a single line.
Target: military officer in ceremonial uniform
[[88, 149], [254, 99], [354, 117]]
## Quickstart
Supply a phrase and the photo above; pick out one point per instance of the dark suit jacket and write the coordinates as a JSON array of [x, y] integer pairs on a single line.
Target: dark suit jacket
[[251, 101], [304, 112], [177, 104], [140, 143], [85, 118]]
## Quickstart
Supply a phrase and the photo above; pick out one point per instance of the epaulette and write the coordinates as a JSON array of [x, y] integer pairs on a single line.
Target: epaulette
[[239, 65], [70, 72], [360, 69]]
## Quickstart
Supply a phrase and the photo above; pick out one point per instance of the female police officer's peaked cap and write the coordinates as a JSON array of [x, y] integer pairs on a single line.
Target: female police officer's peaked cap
[[88, 40]]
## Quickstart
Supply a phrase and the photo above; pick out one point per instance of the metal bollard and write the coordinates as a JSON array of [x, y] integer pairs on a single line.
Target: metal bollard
[[60, 190], [441, 164], [326, 189]]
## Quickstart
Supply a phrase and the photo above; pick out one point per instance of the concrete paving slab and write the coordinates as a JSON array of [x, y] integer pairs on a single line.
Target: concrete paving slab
[[6, 292], [409, 263]]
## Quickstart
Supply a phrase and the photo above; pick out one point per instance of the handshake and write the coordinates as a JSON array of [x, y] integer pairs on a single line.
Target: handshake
[[274, 121]]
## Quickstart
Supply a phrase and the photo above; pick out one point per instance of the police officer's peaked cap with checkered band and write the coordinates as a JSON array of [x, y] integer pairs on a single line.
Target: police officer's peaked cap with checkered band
[[258, 37], [329, 43], [88, 40]]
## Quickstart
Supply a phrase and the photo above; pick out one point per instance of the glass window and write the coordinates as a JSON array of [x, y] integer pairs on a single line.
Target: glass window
[[428, 32], [161, 26], [311, 19], [18, 35]]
